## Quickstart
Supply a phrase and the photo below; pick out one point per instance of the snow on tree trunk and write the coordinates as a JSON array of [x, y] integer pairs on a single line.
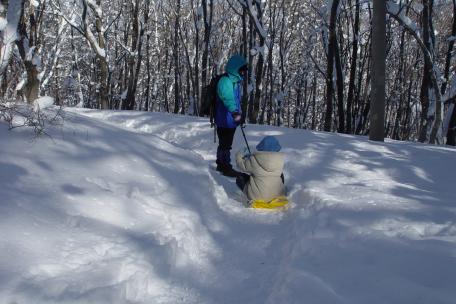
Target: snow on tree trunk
[[28, 46], [10, 14]]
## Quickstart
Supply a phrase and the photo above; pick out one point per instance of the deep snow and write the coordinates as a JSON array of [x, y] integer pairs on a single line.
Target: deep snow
[[126, 207]]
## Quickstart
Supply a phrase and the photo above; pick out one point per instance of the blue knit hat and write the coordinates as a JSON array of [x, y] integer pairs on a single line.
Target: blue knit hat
[[269, 143]]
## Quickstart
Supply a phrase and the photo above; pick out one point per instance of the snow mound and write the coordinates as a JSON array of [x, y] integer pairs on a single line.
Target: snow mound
[[43, 103]]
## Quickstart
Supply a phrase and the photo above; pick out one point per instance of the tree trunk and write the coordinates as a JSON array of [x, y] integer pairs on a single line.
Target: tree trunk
[[377, 114], [451, 127], [364, 108], [332, 41], [449, 53], [176, 59], [207, 18], [195, 81], [408, 113], [297, 112], [314, 97], [135, 58], [5, 44], [245, 53], [353, 65], [451, 134], [103, 63], [259, 67], [398, 85], [149, 74], [28, 49], [190, 79], [364, 66], [340, 90], [426, 82], [251, 95], [13, 10], [438, 116]]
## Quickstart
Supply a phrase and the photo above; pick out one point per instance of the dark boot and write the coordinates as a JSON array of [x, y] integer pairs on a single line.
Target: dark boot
[[224, 163], [227, 170]]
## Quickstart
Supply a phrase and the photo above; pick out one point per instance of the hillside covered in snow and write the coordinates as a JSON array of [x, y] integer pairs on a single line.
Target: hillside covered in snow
[[126, 207]]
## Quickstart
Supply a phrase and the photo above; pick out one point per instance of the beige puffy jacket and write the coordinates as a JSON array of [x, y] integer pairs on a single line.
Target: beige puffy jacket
[[265, 169]]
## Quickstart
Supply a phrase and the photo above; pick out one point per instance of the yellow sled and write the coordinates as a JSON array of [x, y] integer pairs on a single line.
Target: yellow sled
[[280, 202]]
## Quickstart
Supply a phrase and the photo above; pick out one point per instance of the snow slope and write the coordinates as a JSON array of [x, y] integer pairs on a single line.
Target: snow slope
[[126, 207]]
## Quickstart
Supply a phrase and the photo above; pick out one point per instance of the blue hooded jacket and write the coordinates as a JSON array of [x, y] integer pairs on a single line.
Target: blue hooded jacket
[[229, 93]]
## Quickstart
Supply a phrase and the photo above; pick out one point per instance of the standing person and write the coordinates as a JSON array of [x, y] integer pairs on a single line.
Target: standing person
[[228, 113]]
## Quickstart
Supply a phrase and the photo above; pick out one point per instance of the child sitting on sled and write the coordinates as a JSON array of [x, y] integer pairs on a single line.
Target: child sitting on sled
[[264, 180]]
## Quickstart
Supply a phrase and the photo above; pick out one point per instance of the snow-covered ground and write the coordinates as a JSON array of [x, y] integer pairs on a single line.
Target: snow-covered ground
[[126, 207]]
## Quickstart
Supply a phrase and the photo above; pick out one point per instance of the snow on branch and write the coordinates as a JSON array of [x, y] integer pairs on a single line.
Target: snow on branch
[[95, 8], [94, 43], [253, 14], [83, 26], [71, 20], [397, 12], [48, 72]]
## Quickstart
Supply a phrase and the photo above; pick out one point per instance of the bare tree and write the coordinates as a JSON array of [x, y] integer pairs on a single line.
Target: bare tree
[[377, 114], [91, 14], [135, 54]]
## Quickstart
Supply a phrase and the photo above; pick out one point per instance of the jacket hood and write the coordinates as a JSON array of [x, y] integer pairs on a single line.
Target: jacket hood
[[270, 162], [233, 65]]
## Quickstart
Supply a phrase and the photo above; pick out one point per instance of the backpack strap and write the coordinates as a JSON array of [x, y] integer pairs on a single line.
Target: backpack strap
[[214, 103]]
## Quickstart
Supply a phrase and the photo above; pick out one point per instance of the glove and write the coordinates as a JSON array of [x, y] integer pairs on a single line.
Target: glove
[[236, 117], [242, 122], [246, 153]]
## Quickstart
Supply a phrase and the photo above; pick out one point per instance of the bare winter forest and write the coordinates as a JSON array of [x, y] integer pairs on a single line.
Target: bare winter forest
[[310, 61]]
